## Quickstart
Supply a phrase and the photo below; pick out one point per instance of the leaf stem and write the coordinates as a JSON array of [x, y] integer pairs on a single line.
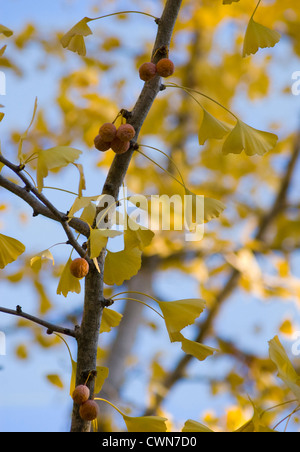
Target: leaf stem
[[109, 403], [124, 12], [256, 8], [141, 302]]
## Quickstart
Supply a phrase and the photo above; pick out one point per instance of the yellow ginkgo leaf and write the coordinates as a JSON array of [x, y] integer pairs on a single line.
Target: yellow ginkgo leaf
[[259, 37], [145, 424], [56, 381], [81, 203], [252, 141], [89, 213], [36, 261], [199, 351], [2, 50], [1, 116], [181, 313], [10, 250], [110, 319], [68, 282], [137, 236], [193, 426], [102, 374], [122, 266], [82, 181], [200, 209], [54, 158], [212, 128], [98, 240], [285, 368], [5, 31], [74, 39]]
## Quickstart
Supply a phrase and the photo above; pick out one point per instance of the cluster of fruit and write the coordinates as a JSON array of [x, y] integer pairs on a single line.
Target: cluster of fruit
[[164, 68], [116, 139], [89, 409]]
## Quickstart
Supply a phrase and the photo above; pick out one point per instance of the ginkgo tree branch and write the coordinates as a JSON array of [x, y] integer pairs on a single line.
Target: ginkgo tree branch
[[51, 328], [30, 188], [94, 285], [266, 221]]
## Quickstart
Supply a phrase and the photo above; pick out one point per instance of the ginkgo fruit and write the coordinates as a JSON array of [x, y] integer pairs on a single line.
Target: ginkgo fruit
[[101, 145], [120, 147], [79, 268], [165, 68], [147, 71], [81, 394], [126, 132], [89, 411], [108, 132]]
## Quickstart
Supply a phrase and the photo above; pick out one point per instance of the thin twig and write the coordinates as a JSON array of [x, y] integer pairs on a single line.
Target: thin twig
[[51, 328]]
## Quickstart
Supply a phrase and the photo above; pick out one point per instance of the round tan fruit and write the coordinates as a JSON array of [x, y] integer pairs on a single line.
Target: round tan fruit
[[89, 411], [101, 145], [125, 132], [79, 268], [147, 71], [165, 68], [108, 132], [81, 394], [120, 147]]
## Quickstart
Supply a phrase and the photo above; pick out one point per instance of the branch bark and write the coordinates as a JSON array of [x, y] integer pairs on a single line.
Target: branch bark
[[94, 300]]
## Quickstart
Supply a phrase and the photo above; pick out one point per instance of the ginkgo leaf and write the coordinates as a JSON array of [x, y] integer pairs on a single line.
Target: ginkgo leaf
[[98, 240], [193, 426], [145, 424], [54, 158], [110, 319], [5, 31], [259, 37], [1, 116], [82, 181], [2, 50], [24, 135], [74, 39], [10, 250], [252, 141], [229, 2], [199, 209], [36, 261], [102, 375], [285, 368], [212, 128], [89, 213], [137, 236], [181, 313], [81, 203], [199, 351], [122, 266], [56, 381], [68, 282]]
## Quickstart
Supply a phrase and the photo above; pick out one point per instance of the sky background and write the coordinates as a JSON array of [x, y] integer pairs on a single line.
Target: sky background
[[27, 401]]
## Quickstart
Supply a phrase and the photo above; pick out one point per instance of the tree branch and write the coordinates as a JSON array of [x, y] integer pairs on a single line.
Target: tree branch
[[51, 328]]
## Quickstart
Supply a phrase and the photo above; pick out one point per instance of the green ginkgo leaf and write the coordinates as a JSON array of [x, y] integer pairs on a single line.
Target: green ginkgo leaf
[[122, 266], [145, 424], [250, 140], [74, 39], [259, 37], [68, 283], [5, 31], [10, 250], [54, 158], [181, 313], [110, 319], [212, 128], [193, 426]]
